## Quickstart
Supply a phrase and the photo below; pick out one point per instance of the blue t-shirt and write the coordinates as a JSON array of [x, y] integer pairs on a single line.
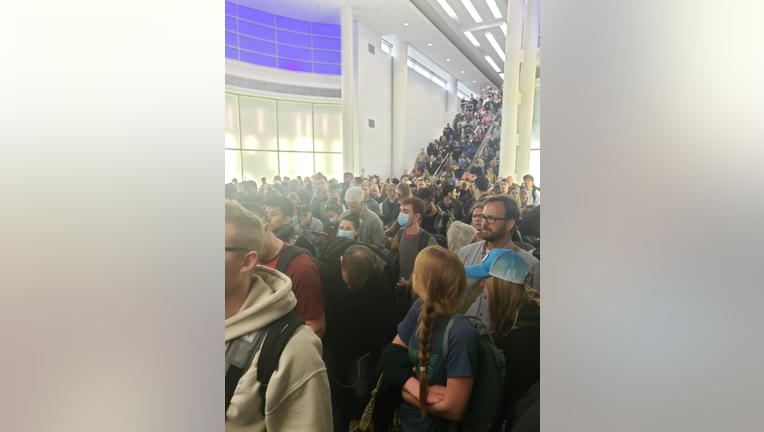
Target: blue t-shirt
[[460, 362]]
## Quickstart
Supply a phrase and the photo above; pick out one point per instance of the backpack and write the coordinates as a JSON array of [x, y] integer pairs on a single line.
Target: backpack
[[485, 399], [291, 252], [424, 239], [241, 351]]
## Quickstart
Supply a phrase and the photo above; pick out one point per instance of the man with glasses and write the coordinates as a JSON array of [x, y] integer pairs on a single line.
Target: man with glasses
[[498, 220], [255, 297]]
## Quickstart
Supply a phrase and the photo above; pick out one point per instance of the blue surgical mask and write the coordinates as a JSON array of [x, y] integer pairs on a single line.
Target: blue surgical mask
[[345, 234], [334, 220], [403, 220]]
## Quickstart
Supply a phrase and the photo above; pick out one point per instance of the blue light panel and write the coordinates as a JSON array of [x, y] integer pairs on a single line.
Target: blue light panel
[[281, 42], [292, 24], [291, 38], [257, 45]]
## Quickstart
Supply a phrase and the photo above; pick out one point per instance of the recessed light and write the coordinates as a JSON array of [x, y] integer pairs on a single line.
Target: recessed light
[[462, 71], [429, 44], [474, 81], [448, 59], [405, 24]]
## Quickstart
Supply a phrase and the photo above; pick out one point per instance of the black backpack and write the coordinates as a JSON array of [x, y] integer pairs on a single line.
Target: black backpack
[[241, 351]]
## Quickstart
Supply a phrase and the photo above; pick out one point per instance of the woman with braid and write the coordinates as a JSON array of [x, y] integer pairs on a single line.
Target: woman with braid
[[439, 390]]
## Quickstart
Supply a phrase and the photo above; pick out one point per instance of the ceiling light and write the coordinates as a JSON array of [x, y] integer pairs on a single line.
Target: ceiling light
[[462, 71], [446, 7], [492, 63], [501, 75], [494, 9], [405, 24], [504, 29], [495, 45], [473, 12], [448, 59], [429, 44], [472, 38], [474, 81]]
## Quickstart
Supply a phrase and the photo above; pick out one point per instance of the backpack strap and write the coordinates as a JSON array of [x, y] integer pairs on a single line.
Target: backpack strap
[[445, 336], [238, 358], [291, 252], [471, 297], [280, 331], [424, 239]]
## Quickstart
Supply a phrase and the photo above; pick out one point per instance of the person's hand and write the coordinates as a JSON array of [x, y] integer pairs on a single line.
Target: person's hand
[[403, 283], [435, 394], [323, 237]]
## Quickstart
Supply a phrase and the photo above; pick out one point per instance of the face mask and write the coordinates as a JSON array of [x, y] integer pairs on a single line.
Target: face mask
[[403, 220], [334, 220], [345, 234]]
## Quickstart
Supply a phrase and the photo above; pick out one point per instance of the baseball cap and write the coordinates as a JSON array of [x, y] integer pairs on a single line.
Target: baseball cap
[[501, 263]]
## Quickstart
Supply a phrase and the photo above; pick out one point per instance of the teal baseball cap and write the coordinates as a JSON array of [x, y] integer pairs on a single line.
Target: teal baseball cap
[[501, 263]]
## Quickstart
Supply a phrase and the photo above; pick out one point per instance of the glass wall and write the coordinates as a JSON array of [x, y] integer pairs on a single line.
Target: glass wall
[[265, 137]]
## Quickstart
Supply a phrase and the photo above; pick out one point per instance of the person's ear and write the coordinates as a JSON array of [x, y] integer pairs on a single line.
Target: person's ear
[[510, 224], [341, 260], [249, 262], [266, 229]]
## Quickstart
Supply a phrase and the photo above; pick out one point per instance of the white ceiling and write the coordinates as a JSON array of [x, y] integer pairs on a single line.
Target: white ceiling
[[388, 18]]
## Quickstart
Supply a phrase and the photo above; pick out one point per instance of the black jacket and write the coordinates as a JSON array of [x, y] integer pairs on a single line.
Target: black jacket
[[521, 347]]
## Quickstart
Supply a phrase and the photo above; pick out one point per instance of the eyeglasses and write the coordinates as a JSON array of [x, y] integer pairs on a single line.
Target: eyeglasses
[[233, 249], [490, 219]]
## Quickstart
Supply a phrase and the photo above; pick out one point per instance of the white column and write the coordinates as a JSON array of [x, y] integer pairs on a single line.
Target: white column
[[527, 87], [400, 93], [509, 137], [348, 93]]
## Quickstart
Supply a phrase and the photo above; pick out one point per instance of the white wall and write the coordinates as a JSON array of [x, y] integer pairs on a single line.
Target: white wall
[[374, 90], [426, 109]]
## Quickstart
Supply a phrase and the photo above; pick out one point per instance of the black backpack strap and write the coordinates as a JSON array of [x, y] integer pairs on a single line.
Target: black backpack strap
[[279, 333], [290, 253], [238, 358], [424, 239]]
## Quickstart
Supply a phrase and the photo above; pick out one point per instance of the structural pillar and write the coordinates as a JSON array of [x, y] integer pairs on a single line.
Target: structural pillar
[[453, 99], [400, 93], [509, 138], [348, 91], [527, 87]]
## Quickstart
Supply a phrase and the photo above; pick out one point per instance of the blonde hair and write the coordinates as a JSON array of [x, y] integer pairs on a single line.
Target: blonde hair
[[247, 228], [504, 301], [439, 280]]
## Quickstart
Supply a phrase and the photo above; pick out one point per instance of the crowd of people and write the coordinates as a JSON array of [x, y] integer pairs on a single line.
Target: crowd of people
[[458, 146], [419, 295]]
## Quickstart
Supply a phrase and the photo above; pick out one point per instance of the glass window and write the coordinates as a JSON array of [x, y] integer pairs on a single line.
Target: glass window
[[409, 63], [327, 128], [535, 167], [424, 72], [387, 48], [265, 137], [295, 126], [231, 121], [256, 164], [258, 123], [439, 81], [330, 165], [294, 164], [232, 165]]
